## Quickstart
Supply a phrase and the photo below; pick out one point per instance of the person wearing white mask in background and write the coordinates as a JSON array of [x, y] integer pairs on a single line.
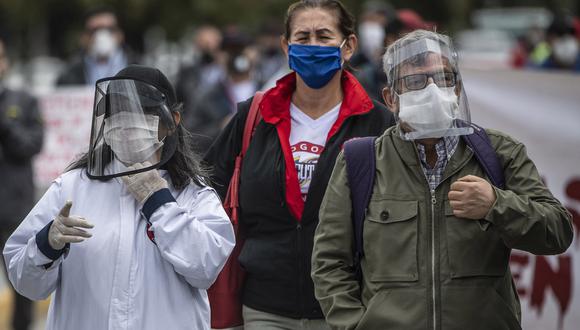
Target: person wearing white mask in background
[[103, 52], [437, 234], [564, 45], [376, 15], [212, 110], [131, 235]]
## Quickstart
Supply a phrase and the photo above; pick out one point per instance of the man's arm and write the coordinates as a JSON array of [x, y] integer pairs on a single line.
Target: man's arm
[[336, 286], [525, 214]]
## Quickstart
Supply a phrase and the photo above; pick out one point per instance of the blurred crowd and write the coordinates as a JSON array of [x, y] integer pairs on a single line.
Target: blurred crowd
[[555, 47], [212, 51], [217, 67]]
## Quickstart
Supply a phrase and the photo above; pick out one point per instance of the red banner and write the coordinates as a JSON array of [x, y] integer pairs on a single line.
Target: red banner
[[542, 110]]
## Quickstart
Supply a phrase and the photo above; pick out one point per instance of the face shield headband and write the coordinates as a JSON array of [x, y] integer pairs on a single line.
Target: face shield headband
[[421, 46]]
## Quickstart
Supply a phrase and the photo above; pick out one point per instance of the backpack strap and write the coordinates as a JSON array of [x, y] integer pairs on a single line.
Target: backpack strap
[[231, 202], [252, 121], [359, 154], [486, 156]]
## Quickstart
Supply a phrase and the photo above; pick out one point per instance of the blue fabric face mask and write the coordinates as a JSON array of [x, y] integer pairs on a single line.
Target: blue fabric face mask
[[316, 65]]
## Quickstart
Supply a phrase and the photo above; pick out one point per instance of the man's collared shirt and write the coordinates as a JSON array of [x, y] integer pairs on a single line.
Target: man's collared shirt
[[97, 70], [445, 149]]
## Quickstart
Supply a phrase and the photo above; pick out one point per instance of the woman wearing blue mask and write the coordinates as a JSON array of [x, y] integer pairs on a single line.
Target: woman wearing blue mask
[[306, 118]]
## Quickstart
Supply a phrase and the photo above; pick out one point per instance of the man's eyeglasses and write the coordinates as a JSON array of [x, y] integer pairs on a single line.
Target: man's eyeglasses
[[419, 81]]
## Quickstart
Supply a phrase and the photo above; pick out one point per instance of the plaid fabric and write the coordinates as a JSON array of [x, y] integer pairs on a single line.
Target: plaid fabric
[[445, 149]]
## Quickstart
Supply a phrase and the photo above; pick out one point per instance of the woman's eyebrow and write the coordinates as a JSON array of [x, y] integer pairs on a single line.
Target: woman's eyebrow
[[302, 33], [324, 31]]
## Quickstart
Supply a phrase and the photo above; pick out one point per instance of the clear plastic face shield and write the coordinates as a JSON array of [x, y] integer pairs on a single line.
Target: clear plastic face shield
[[426, 89], [132, 124]]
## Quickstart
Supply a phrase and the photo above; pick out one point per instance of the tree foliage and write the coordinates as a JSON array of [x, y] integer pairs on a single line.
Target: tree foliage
[[53, 26]]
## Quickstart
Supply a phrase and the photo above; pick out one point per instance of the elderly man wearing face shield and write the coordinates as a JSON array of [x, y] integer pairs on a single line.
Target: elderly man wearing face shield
[[437, 234], [130, 236]]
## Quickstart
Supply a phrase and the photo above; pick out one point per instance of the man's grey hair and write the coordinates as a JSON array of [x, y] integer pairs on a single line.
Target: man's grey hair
[[389, 58]]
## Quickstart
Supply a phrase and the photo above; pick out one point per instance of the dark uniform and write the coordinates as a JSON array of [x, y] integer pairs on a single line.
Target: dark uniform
[[21, 135]]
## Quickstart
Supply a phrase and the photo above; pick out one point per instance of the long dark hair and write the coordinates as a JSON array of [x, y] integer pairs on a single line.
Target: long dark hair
[[183, 167]]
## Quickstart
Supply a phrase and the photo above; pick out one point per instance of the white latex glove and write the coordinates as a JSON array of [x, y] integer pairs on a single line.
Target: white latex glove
[[143, 185], [66, 228]]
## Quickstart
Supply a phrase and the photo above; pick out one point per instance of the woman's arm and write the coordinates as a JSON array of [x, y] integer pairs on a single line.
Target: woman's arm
[[196, 238]]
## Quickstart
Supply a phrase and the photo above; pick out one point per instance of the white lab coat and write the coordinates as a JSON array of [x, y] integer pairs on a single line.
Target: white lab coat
[[119, 278]]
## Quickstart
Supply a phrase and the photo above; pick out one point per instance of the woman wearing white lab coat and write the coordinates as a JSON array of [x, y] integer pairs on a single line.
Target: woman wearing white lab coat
[[129, 237]]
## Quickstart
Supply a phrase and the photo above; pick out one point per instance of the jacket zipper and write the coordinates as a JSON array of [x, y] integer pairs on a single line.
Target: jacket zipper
[[433, 287], [433, 203], [300, 270]]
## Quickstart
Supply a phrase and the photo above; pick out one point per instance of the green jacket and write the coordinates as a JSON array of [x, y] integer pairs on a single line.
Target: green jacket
[[423, 267]]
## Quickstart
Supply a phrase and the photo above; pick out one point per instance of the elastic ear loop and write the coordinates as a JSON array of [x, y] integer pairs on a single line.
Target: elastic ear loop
[[395, 98], [340, 50]]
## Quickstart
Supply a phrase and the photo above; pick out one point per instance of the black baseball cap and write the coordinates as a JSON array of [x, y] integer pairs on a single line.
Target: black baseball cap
[[151, 76]]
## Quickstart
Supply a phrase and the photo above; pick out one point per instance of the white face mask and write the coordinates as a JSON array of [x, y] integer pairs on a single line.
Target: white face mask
[[429, 111], [132, 137], [566, 50], [104, 44], [371, 36]]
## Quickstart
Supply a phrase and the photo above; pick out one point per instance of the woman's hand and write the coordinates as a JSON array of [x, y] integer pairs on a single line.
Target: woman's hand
[[66, 228], [143, 185]]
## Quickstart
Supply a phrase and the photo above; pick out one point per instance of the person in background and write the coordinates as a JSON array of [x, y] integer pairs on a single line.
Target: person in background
[[376, 15], [520, 52], [213, 109], [103, 52], [563, 44], [206, 70], [530, 48], [21, 137], [306, 118], [371, 74], [437, 234], [271, 63], [411, 21], [130, 236]]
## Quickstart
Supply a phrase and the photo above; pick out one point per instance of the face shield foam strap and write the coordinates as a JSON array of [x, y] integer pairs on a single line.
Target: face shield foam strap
[[419, 47]]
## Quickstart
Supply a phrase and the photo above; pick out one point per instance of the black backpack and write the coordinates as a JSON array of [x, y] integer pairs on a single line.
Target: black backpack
[[359, 154]]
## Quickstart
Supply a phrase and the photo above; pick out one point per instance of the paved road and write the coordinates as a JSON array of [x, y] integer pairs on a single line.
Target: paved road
[[40, 309]]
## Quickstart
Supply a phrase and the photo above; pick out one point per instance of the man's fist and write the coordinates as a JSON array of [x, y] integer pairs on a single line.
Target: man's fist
[[471, 197]]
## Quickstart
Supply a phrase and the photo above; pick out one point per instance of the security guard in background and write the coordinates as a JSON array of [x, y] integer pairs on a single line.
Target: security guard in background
[[21, 135]]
